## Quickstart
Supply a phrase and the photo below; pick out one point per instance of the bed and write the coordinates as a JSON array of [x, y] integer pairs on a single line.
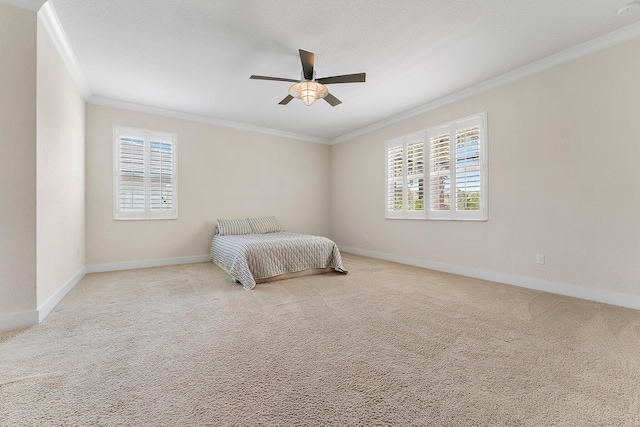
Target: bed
[[256, 250]]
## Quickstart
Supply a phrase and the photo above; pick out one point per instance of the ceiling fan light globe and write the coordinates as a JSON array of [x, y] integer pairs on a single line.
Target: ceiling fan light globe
[[321, 91], [308, 91]]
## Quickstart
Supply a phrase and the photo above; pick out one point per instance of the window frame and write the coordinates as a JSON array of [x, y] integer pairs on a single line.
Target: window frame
[[147, 136], [453, 213]]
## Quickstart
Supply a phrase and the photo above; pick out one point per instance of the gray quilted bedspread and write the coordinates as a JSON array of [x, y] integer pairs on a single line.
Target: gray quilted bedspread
[[257, 256]]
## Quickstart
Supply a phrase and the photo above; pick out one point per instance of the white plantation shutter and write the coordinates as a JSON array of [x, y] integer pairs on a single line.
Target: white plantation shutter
[[468, 153], [405, 177], [131, 176], [145, 175], [457, 173], [395, 178], [439, 172], [415, 174], [161, 168]]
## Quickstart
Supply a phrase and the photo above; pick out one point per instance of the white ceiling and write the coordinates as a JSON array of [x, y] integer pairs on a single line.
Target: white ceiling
[[196, 56]]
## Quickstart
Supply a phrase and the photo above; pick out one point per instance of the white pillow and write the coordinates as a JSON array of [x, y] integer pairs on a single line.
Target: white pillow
[[228, 227], [267, 224]]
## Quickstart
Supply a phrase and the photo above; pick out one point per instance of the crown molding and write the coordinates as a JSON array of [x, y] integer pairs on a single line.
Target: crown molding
[[51, 22], [108, 102], [611, 39]]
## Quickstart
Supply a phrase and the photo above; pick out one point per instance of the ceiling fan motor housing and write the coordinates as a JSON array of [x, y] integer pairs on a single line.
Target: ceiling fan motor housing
[[308, 91]]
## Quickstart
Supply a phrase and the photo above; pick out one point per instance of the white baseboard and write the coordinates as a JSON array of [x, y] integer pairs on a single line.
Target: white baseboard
[[147, 263], [54, 300], [598, 295], [18, 320], [34, 317]]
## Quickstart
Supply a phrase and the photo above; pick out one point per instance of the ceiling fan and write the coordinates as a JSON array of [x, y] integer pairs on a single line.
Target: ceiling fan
[[308, 88]]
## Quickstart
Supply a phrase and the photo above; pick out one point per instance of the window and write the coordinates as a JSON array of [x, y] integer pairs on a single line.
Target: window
[[145, 178], [439, 173]]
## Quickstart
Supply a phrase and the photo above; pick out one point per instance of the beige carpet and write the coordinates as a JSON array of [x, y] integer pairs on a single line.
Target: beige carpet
[[384, 345]]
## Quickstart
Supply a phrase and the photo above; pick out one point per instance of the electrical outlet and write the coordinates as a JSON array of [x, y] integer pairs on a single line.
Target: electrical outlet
[[540, 259], [366, 238]]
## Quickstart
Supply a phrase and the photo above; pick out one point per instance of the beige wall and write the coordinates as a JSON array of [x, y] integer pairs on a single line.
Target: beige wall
[[18, 160], [222, 172], [60, 172], [564, 147]]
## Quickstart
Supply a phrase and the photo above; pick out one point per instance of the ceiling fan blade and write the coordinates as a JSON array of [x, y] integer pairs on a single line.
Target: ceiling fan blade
[[347, 78], [286, 100], [278, 79], [307, 59], [332, 100]]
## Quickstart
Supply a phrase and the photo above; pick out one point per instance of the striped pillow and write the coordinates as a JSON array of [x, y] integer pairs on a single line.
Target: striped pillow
[[227, 227], [264, 225]]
